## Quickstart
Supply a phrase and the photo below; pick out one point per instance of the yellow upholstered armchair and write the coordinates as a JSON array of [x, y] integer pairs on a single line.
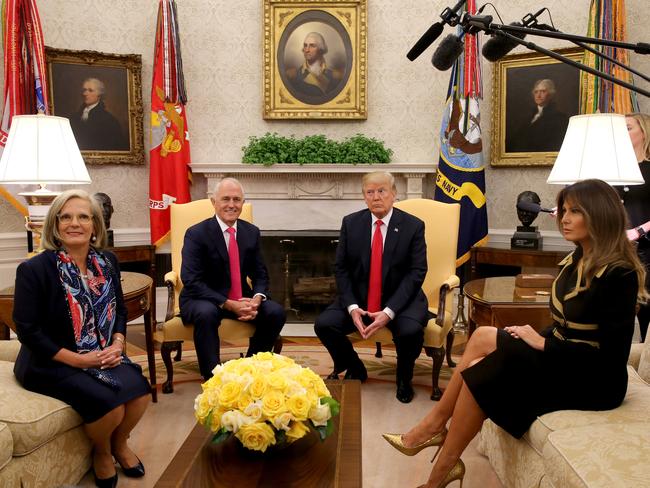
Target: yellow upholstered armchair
[[441, 234], [173, 332]]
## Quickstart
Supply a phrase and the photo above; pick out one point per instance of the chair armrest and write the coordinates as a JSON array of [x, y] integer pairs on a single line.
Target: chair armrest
[[171, 281], [635, 355], [450, 283]]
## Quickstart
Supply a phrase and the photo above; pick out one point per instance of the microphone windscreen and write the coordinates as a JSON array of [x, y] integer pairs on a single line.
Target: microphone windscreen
[[447, 52], [498, 46], [425, 41], [529, 206]]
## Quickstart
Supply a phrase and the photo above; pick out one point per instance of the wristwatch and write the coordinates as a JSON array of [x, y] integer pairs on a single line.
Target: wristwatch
[[641, 231]]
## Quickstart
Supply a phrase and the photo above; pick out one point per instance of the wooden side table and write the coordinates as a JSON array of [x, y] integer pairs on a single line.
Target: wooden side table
[[499, 303], [145, 255], [522, 258], [138, 291]]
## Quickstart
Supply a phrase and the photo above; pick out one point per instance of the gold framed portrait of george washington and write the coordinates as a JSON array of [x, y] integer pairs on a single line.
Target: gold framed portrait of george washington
[[315, 59], [533, 96], [101, 94]]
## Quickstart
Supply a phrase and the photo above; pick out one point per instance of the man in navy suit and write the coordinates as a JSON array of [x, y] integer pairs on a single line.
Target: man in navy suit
[[399, 304], [211, 292]]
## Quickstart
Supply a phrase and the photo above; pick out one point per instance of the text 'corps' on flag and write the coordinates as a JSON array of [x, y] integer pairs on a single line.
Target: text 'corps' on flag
[[460, 177], [25, 88], [170, 174]]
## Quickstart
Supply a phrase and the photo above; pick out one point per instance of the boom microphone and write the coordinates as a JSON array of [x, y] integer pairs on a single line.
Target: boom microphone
[[533, 207], [449, 16], [448, 51], [499, 45], [426, 40]]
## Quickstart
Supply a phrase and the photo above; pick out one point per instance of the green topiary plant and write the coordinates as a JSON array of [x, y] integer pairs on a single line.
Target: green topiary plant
[[269, 149], [361, 149], [273, 148]]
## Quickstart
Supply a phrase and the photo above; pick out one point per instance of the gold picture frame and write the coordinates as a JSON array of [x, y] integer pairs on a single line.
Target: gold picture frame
[[335, 89], [516, 141], [110, 87]]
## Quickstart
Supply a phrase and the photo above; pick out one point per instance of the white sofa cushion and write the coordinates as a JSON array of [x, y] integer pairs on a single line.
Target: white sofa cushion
[[6, 445], [644, 363], [599, 456], [32, 418], [634, 408]]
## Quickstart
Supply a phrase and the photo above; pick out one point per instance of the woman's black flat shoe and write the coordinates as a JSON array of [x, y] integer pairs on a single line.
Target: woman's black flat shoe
[[136, 471], [106, 482]]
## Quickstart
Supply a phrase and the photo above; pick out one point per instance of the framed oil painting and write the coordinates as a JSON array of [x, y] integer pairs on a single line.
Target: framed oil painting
[[315, 59], [101, 94], [533, 97]]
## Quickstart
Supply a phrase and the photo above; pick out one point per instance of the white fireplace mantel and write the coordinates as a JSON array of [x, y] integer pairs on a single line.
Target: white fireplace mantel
[[311, 196]]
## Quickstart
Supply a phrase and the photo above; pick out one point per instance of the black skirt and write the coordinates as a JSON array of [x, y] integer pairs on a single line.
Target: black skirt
[[93, 399]]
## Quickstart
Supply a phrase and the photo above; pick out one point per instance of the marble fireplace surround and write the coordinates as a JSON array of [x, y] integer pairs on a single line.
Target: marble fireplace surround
[[292, 197]]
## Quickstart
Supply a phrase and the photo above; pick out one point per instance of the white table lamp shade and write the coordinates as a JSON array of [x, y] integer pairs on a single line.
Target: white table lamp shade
[[42, 149], [596, 146]]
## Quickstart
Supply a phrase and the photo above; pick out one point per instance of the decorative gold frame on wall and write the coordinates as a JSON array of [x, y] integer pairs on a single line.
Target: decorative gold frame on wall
[[529, 66], [126, 102], [283, 21]]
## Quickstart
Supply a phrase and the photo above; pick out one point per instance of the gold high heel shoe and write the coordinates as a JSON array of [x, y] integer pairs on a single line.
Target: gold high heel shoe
[[457, 473], [437, 439]]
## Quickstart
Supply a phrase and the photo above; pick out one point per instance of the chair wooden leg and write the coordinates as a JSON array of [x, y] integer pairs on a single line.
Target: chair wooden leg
[[378, 354], [437, 354], [166, 353], [450, 343], [277, 347], [179, 352]]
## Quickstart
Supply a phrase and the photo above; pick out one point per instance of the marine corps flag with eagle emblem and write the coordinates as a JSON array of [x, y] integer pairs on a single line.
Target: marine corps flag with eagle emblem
[[170, 174], [461, 177]]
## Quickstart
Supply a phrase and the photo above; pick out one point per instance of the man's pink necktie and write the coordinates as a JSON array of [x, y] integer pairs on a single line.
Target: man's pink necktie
[[374, 284], [235, 274]]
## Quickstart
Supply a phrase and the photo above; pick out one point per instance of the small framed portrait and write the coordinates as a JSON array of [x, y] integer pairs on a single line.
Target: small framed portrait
[[533, 97], [101, 94], [315, 59]]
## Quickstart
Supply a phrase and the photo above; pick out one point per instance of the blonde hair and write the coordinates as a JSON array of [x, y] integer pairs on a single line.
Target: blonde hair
[[378, 177], [644, 123], [51, 239], [606, 222]]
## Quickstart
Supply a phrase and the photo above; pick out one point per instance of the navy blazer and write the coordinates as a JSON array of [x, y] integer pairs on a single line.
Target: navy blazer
[[43, 320], [404, 263], [205, 271]]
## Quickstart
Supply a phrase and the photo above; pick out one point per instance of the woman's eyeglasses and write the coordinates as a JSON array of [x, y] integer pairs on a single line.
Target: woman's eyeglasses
[[68, 218]]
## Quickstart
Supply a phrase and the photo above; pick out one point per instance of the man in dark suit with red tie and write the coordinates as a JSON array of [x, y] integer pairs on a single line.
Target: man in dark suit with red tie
[[380, 266], [219, 254]]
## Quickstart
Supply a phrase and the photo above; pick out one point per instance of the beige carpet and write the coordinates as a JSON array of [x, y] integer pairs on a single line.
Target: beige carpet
[[304, 353]]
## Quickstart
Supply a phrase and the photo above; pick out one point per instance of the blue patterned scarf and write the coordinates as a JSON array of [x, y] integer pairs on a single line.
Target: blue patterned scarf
[[92, 305]]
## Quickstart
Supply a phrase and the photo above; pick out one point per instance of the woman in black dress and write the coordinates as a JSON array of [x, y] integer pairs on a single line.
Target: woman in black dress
[[71, 321], [514, 375], [636, 199]]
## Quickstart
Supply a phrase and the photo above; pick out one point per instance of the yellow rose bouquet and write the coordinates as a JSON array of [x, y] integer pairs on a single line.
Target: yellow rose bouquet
[[265, 400]]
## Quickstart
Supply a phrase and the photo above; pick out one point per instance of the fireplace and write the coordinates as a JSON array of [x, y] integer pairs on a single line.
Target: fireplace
[[299, 210]]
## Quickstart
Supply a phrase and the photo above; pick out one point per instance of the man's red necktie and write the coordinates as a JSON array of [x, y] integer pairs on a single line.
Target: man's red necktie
[[235, 274], [374, 285]]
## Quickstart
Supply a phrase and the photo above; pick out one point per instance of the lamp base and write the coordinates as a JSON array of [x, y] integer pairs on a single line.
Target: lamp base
[[526, 238], [38, 204]]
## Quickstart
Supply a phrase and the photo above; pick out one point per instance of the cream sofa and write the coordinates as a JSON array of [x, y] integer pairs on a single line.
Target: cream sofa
[[42, 442], [572, 448]]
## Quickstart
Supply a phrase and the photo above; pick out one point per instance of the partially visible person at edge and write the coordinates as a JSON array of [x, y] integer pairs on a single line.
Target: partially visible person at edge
[[636, 199], [71, 322], [515, 374]]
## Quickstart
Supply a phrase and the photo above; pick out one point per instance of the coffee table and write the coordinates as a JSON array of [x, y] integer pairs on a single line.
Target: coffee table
[[335, 463]]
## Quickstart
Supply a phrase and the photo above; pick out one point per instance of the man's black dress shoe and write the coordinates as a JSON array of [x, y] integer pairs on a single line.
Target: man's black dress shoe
[[333, 376], [105, 482], [357, 372], [136, 471], [404, 391]]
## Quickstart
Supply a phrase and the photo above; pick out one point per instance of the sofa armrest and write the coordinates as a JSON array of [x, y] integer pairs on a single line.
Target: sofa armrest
[[9, 350]]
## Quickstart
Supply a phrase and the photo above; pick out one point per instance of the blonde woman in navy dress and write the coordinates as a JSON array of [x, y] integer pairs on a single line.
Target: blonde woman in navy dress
[[514, 375], [71, 321]]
